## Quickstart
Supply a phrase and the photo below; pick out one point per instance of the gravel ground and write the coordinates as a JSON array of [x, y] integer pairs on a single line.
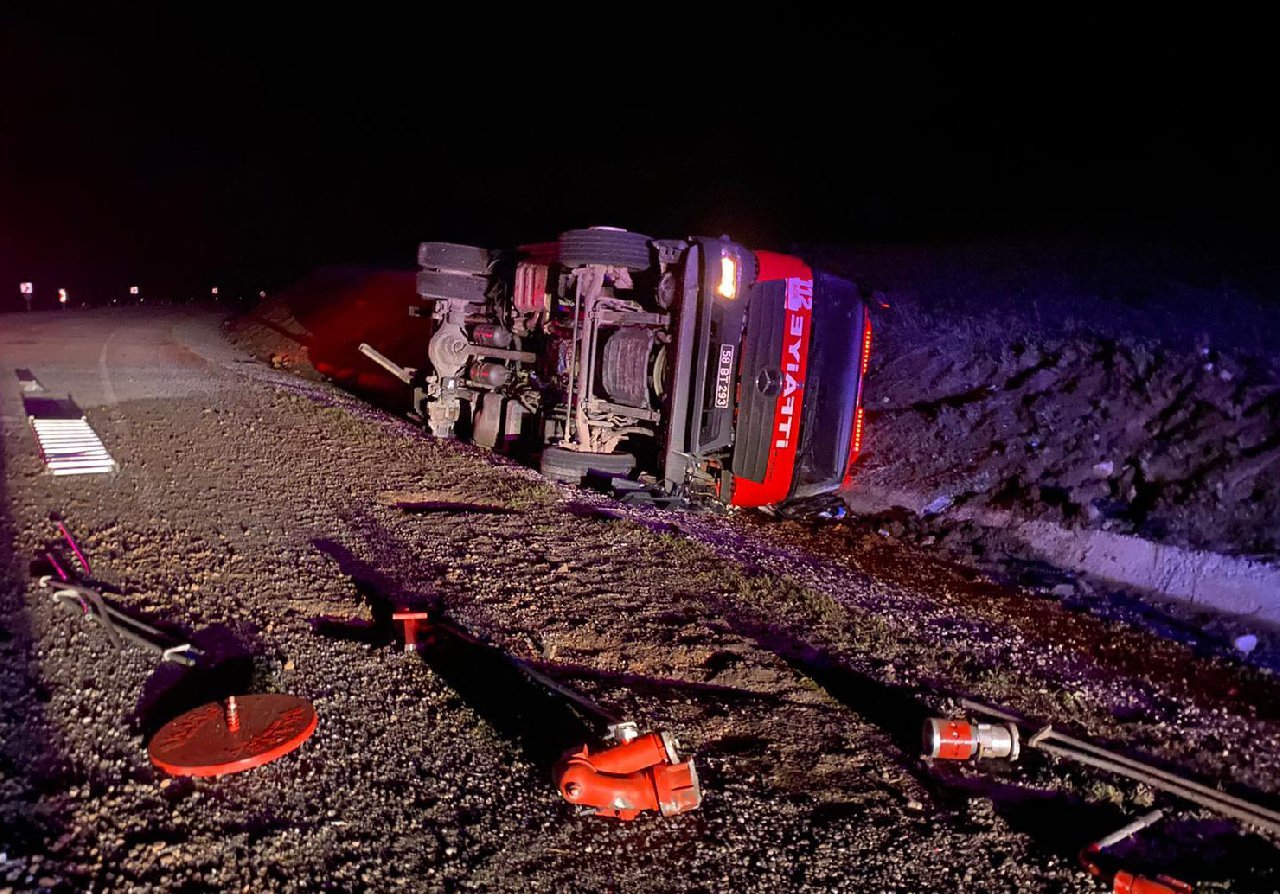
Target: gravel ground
[[794, 663]]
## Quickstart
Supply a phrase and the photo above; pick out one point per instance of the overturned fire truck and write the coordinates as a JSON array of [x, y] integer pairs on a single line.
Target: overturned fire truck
[[681, 370]]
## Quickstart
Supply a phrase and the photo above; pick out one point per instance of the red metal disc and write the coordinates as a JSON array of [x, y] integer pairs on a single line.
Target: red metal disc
[[241, 733]]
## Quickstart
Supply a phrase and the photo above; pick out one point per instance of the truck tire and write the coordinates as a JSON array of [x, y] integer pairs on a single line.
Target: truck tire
[[464, 287], [571, 466], [454, 258], [606, 247]]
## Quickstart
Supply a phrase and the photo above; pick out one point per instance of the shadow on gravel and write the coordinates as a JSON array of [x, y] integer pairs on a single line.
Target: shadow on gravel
[[447, 507], [227, 668], [1207, 850], [892, 709], [1055, 820], [52, 407], [1059, 821], [31, 760], [382, 593], [543, 725], [660, 687]]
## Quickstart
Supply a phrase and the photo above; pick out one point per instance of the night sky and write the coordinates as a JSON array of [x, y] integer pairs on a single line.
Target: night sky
[[243, 153]]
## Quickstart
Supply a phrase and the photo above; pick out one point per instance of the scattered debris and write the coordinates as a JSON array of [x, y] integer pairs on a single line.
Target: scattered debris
[[1126, 882], [1246, 643], [241, 733], [118, 624], [74, 595], [67, 442], [638, 773], [71, 447], [961, 740], [244, 732], [937, 505], [71, 542], [409, 622]]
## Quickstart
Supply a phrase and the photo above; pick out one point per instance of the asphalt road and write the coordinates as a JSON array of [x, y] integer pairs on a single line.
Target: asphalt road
[[259, 513]]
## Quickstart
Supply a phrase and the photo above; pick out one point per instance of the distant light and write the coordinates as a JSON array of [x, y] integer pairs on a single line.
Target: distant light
[[728, 287], [213, 291], [133, 290], [62, 295], [25, 288], [262, 294]]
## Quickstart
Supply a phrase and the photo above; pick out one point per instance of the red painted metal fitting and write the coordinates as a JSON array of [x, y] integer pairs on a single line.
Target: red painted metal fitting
[[960, 740], [678, 788], [244, 732], [642, 773], [629, 757], [1128, 883], [410, 621]]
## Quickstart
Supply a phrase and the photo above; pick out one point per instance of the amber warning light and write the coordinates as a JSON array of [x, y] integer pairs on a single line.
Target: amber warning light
[[728, 287]]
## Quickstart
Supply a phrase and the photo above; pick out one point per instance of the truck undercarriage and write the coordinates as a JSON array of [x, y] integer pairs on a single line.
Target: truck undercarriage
[[672, 364]]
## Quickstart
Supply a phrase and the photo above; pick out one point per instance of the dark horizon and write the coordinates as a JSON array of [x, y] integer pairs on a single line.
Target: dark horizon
[[242, 156]]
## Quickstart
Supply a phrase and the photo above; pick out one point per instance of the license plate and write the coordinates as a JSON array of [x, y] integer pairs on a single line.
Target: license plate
[[724, 377]]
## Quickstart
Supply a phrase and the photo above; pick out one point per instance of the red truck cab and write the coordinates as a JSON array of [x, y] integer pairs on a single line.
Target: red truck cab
[[678, 370]]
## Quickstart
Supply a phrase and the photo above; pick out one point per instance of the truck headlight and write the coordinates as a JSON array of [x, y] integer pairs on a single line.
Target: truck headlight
[[728, 287]]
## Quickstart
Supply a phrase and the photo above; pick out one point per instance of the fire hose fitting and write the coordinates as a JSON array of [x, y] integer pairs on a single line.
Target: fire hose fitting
[[960, 740], [642, 773], [1127, 883], [1123, 882]]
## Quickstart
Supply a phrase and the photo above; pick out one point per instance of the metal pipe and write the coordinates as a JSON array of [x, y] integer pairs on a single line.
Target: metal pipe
[[1119, 835], [403, 373], [585, 390], [501, 353], [117, 624], [1250, 813], [530, 671], [1094, 756]]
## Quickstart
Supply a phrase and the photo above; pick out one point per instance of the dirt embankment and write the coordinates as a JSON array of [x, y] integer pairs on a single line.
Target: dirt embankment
[[1129, 392]]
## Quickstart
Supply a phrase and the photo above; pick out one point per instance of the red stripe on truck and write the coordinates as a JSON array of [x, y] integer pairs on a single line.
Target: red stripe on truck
[[785, 438]]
